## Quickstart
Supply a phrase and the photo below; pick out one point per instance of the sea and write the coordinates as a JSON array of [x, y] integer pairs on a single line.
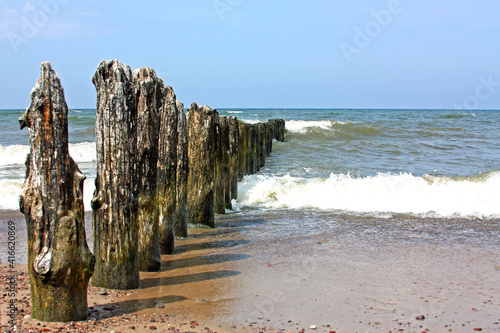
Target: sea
[[360, 216], [439, 163]]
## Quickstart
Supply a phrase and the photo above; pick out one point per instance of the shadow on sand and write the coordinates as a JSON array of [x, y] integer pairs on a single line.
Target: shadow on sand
[[190, 278], [210, 245], [117, 309], [201, 261]]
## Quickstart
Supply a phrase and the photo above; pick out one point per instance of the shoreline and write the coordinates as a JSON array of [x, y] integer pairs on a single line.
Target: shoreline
[[241, 277]]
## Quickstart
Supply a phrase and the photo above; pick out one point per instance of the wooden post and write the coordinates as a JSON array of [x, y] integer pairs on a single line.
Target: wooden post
[[201, 154], [242, 149], [59, 261], [115, 198], [226, 163], [251, 150], [181, 217], [257, 148], [269, 137], [149, 97], [279, 129], [233, 156], [220, 187], [167, 171], [262, 144]]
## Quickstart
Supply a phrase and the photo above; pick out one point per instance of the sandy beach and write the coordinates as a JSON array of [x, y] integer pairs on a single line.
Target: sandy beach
[[240, 277]]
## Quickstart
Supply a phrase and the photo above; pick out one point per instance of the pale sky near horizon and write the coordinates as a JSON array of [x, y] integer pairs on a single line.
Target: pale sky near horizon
[[441, 54]]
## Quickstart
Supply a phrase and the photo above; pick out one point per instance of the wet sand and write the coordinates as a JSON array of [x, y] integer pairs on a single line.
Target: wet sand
[[259, 272]]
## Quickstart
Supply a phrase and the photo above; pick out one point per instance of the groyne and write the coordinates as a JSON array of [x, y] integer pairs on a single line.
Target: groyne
[[159, 169]]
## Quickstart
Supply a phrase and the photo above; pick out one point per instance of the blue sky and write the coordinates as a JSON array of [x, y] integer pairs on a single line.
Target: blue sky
[[263, 53]]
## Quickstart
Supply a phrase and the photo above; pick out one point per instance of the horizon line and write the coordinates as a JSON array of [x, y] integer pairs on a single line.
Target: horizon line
[[303, 108]]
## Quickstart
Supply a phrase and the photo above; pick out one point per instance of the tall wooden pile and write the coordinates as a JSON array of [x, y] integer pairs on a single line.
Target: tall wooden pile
[[59, 261]]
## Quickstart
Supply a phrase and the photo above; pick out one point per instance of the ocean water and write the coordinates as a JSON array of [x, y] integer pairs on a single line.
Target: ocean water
[[359, 216], [423, 163]]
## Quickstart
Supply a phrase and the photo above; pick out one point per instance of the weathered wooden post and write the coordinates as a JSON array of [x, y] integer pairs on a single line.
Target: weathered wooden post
[[115, 203], [233, 156], [256, 147], [243, 148], [225, 170], [251, 152], [283, 130], [201, 154], [167, 171], [149, 97], [269, 137], [279, 129], [59, 262], [256, 144], [220, 187], [181, 217], [262, 144]]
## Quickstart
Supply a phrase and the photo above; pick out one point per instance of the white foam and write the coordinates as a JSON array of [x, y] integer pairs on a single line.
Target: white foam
[[9, 194], [88, 193], [11, 190], [16, 154], [384, 193], [301, 126], [251, 121], [234, 112], [83, 152]]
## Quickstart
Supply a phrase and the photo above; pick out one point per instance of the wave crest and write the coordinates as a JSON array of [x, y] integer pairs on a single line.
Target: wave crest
[[332, 128], [302, 126], [11, 190], [384, 193], [16, 154]]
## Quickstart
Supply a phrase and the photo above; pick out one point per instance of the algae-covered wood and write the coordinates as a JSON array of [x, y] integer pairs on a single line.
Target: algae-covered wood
[[115, 201], [60, 263]]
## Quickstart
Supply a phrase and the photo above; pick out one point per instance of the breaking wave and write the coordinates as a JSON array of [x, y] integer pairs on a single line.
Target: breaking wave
[[384, 193], [331, 127], [16, 154], [11, 190]]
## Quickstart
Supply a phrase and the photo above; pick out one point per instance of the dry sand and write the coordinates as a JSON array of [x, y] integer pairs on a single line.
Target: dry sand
[[229, 280]]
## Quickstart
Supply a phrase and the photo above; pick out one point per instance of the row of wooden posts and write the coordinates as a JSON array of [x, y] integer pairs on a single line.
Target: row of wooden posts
[[158, 169]]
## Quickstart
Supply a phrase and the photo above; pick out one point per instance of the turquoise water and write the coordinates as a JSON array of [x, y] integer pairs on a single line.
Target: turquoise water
[[434, 162]]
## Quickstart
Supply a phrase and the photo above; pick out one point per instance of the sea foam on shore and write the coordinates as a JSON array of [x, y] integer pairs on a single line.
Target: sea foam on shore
[[383, 193]]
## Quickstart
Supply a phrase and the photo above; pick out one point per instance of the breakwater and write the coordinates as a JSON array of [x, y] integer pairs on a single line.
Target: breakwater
[[159, 168]]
